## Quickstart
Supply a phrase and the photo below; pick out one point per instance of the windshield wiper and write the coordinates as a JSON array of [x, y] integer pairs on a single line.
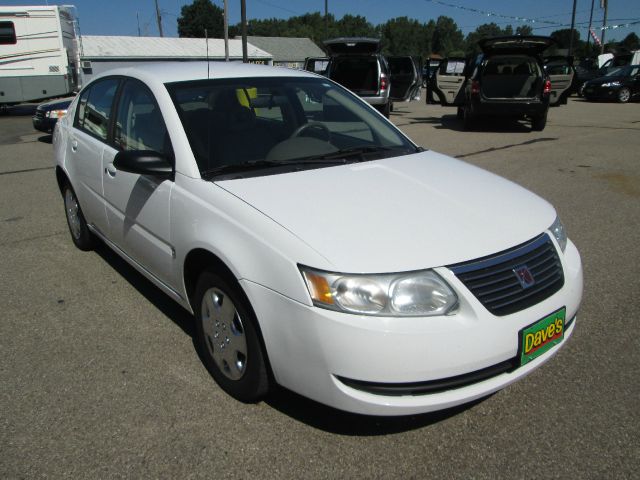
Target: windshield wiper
[[362, 152], [260, 164]]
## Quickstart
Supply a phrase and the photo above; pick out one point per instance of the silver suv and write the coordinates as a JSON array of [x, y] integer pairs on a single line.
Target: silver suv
[[357, 64]]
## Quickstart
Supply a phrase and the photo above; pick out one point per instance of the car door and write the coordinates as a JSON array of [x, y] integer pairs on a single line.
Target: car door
[[405, 78], [138, 205], [562, 75], [449, 80], [85, 148]]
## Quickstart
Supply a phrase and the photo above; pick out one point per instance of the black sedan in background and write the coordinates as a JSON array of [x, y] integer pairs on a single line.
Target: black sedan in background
[[47, 114], [620, 83]]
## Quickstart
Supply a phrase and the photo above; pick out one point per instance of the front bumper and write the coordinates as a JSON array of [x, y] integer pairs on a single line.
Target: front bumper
[[598, 92], [310, 348], [44, 124]]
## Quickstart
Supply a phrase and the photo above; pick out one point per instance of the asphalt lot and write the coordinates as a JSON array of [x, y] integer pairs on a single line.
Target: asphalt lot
[[99, 377]]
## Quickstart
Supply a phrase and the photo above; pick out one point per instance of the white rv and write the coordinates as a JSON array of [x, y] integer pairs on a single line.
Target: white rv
[[38, 53]]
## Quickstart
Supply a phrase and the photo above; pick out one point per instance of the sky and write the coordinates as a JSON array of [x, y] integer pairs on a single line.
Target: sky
[[122, 17]]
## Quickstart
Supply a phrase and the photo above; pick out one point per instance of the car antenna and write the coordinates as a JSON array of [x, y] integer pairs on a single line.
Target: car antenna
[[206, 39]]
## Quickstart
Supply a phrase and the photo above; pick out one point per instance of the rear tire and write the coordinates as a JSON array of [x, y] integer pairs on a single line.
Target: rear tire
[[539, 122], [80, 233], [228, 339], [385, 109], [468, 120], [624, 95]]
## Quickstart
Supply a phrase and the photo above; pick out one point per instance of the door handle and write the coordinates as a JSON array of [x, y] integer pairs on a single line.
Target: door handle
[[110, 170], [74, 145]]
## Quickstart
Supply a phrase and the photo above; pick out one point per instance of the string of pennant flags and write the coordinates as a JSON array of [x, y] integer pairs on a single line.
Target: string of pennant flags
[[525, 19]]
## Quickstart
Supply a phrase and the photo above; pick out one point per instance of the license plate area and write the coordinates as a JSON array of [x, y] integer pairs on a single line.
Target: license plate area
[[541, 336]]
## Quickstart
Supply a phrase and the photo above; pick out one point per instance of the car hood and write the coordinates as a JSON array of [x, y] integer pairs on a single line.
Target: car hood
[[398, 214], [57, 104], [602, 80]]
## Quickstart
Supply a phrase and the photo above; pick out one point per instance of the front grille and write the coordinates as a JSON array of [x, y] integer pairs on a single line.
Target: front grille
[[495, 284]]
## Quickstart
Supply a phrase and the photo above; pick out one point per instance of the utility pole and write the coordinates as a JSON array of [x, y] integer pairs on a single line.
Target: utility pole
[[159, 19], [226, 32], [138, 19], [605, 5], [243, 20], [326, 19], [590, 23], [573, 24]]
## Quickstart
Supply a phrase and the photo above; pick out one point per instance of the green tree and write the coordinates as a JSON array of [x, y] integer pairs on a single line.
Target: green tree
[[197, 17], [355, 26], [447, 37], [563, 37], [631, 42], [524, 30], [404, 36]]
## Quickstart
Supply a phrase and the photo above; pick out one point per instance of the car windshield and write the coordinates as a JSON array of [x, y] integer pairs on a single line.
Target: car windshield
[[251, 125], [620, 71]]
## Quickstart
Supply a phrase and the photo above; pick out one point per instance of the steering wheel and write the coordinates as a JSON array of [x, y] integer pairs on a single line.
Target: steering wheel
[[313, 126]]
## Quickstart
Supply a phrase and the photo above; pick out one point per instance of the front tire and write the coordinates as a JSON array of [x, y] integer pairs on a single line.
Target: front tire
[[624, 95], [80, 234], [228, 338]]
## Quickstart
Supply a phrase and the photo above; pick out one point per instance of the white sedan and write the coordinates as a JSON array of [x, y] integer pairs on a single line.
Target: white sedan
[[316, 245]]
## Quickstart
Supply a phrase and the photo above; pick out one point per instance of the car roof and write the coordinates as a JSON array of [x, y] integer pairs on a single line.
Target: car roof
[[157, 73]]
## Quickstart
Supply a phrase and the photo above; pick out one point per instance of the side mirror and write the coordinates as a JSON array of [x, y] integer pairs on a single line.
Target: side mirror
[[143, 162]]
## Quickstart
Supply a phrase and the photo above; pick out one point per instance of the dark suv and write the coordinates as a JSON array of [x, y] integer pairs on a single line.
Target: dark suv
[[508, 79], [357, 64]]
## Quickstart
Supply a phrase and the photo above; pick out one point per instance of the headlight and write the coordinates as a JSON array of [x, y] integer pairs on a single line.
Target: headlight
[[557, 228], [612, 84], [56, 113], [414, 294]]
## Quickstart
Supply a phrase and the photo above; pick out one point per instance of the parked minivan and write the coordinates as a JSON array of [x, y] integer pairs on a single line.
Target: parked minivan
[[358, 64], [507, 79]]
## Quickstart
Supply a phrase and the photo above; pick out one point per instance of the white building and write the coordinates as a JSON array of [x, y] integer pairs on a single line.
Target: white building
[[101, 53]]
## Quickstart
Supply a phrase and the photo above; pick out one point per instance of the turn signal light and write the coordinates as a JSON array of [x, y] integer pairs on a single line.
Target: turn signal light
[[547, 87]]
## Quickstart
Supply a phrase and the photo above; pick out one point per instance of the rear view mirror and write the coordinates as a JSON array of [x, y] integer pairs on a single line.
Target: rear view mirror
[[143, 162]]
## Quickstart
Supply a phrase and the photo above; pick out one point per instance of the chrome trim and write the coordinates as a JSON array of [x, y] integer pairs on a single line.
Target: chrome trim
[[512, 254]]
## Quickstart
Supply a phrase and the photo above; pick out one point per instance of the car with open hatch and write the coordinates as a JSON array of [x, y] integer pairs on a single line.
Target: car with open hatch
[[507, 79], [317, 246], [357, 63]]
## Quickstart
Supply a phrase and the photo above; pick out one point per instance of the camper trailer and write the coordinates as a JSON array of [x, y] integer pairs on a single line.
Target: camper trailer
[[38, 53]]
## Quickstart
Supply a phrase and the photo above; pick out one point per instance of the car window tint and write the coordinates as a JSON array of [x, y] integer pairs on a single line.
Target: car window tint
[[139, 122], [82, 105], [93, 116], [235, 121]]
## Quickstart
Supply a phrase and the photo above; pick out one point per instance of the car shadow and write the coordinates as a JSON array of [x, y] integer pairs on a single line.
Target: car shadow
[[46, 138], [331, 420], [452, 122], [148, 290], [299, 408]]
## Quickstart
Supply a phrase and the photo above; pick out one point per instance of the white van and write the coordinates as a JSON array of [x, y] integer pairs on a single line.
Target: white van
[[38, 53]]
